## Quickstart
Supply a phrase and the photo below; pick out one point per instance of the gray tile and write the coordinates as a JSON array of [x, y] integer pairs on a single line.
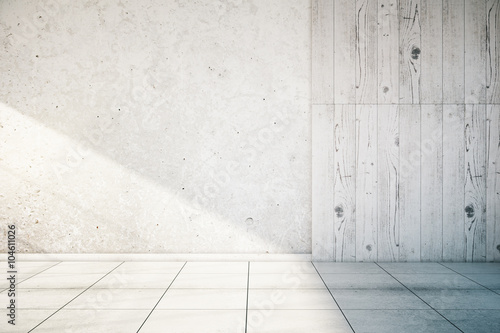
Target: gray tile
[[436, 281], [361, 281], [474, 321], [94, 321], [282, 267], [291, 299], [41, 298], [348, 267], [297, 321], [215, 267], [460, 299], [373, 299], [469, 267], [209, 321], [414, 268], [26, 319], [286, 280], [491, 281], [398, 321]]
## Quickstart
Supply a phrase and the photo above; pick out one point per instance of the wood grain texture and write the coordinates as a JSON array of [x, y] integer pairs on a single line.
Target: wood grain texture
[[432, 52], [453, 182], [366, 183], [475, 182], [344, 196], [453, 51], [431, 182], [388, 52], [409, 44], [322, 52], [493, 51], [345, 51], [493, 184], [475, 55], [322, 183], [409, 182], [388, 183], [366, 51]]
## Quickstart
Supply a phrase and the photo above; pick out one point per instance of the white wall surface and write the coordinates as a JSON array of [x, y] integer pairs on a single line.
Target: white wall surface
[[156, 126]]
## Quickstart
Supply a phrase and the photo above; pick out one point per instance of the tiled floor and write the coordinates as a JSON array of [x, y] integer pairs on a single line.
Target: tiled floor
[[255, 297]]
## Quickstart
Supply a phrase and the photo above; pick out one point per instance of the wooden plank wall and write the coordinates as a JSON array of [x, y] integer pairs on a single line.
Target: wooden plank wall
[[406, 130]]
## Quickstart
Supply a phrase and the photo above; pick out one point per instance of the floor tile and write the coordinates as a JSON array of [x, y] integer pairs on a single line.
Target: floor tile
[[398, 321], [415, 268], [282, 267], [149, 267], [4, 283], [291, 299], [474, 321], [361, 281], [190, 321], [94, 321], [436, 281], [491, 281], [75, 267], [119, 280], [460, 299], [116, 299], [41, 298], [286, 280], [377, 299], [348, 267], [297, 321], [57, 281], [26, 319], [204, 299], [215, 268], [33, 267], [210, 281], [470, 267]]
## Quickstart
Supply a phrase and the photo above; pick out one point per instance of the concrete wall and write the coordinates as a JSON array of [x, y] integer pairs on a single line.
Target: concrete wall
[[156, 126]]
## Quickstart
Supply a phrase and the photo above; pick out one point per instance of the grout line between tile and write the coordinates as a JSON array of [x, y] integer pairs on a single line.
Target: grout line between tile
[[248, 287], [161, 297], [421, 299], [341, 311], [75, 296], [493, 291]]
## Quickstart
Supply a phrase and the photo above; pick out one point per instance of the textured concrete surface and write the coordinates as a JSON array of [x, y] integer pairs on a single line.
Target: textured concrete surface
[[156, 126]]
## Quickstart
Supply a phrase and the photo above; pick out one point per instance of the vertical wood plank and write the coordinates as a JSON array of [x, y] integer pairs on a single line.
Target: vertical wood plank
[[475, 182], [409, 44], [453, 51], [345, 182], [345, 51], [322, 52], [388, 183], [432, 52], [322, 182], [366, 51], [453, 182], [366, 183], [493, 184], [388, 52], [431, 183], [493, 51], [475, 55], [409, 182]]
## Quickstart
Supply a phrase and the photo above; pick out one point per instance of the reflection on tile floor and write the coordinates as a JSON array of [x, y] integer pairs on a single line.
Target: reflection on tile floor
[[255, 297]]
